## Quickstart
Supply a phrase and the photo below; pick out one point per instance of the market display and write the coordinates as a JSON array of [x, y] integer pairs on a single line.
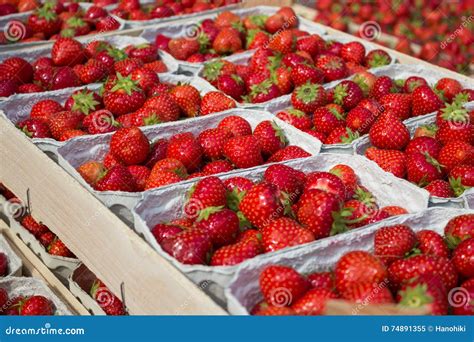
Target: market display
[[272, 164]]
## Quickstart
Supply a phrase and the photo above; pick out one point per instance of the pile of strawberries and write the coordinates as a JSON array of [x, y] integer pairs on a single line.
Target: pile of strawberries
[[227, 222], [349, 110], [411, 269], [73, 64], [139, 99], [55, 19], [35, 305], [109, 302], [133, 163], [133, 10], [21, 6], [439, 157]]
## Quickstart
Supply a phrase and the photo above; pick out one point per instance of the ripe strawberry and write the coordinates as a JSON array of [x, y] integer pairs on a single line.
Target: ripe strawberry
[[283, 41], [393, 242], [402, 270], [36, 306], [456, 153], [413, 82], [220, 224], [303, 73], [60, 122], [377, 58], [243, 151], [236, 253], [217, 166], [334, 67], [392, 161], [323, 280], [44, 109], [140, 175], [422, 169], [106, 299], [308, 97], [227, 41], [126, 66], [163, 231], [185, 148], [440, 188], [189, 247], [467, 307], [463, 258], [425, 290], [282, 285], [72, 133], [359, 268], [326, 182], [326, 119], [231, 85], [91, 171], [458, 229], [288, 153], [341, 135], [57, 247], [461, 178], [287, 179], [4, 301], [353, 52], [64, 77], [423, 145], [45, 21], [448, 88], [145, 78], [130, 146], [16, 68], [124, 96], [262, 204], [431, 243], [270, 136], [188, 99], [117, 178], [28, 88], [360, 120], [161, 178], [213, 70], [208, 192], [313, 302], [368, 294], [214, 102], [263, 92], [34, 128], [348, 94], [212, 142], [295, 117], [398, 104], [67, 51], [3, 265], [283, 80], [389, 133], [424, 101], [47, 238], [284, 232], [34, 227], [455, 125]]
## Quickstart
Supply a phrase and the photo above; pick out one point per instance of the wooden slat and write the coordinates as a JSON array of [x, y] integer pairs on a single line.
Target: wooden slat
[[99, 238]]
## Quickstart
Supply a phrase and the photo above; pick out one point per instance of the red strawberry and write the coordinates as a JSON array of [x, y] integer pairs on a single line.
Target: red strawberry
[[413, 82], [463, 258], [106, 299], [466, 307], [454, 124], [326, 182], [431, 243], [117, 178], [440, 188], [212, 142], [288, 153], [313, 302], [124, 97], [287, 179], [61, 122], [366, 293], [261, 205], [208, 192], [308, 97], [282, 79], [282, 285], [448, 88], [270, 136], [214, 102], [34, 128], [383, 85], [185, 148], [36, 306], [456, 153], [236, 126], [303, 73], [423, 145], [459, 229], [353, 52], [57, 247], [140, 175], [130, 146], [359, 268], [393, 242], [348, 94], [323, 280], [145, 78], [16, 68], [189, 247], [284, 232], [283, 41], [35, 228], [295, 117], [265, 91], [231, 85], [377, 58], [425, 290], [236, 253], [162, 231], [161, 178], [392, 161], [220, 224], [188, 99], [44, 20], [64, 77], [217, 166], [243, 151], [389, 133], [91, 171], [3, 265], [360, 120], [326, 119], [424, 101], [422, 169], [334, 67], [164, 107], [341, 135], [402, 270], [126, 66], [67, 51], [398, 104]]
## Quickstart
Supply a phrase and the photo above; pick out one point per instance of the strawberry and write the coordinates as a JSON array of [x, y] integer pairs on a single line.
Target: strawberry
[[214, 102], [124, 96], [398, 104], [164, 107], [295, 117], [162, 231], [220, 224], [341, 135], [466, 307], [303, 73], [117, 178], [424, 101], [425, 290], [231, 85], [358, 268], [431, 243], [217, 166], [243, 151], [67, 51], [212, 142], [71, 133], [4, 301], [455, 125], [282, 79], [64, 77], [456, 153], [126, 66], [263, 92], [140, 175], [368, 294], [36, 306], [45, 21], [326, 182], [360, 120], [323, 280], [334, 67], [284, 232], [60, 122], [377, 58], [57, 247], [286, 179], [440, 188], [283, 41], [392, 161], [413, 82], [130, 146], [208, 192], [227, 41], [288, 153], [313, 302], [91, 171], [100, 121], [18, 69], [213, 70], [393, 242], [34, 227], [106, 299], [157, 153], [145, 78], [402, 270], [389, 133], [145, 52], [34, 128], [190, 247], [236, 253], [270, 136], [346, 174], [30, 88], [185, 148], [326, 119], [353, 52], [84, 100], [188, 99], [262, 204], [422, 169], [459, 229], [282, 285], [308, 97], [447, 88], [423, 145], [365, 80], [461, 178], [161, 178], [348, 94], [44, 109], [463, 258]]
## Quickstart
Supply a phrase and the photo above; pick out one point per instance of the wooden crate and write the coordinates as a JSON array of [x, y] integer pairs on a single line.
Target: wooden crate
[[101, 240]]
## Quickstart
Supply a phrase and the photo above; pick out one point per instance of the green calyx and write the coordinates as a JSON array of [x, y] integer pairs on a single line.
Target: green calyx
[[47, 13], [340, 93], [212, 70], [452, 241], [415, 296], [360, 81], [456, 185], [308, 92], [244, 223], [461, 98], [203, 41], [234, 198], [84, 102], [336, 113], [296, 112], [351, 136], [206, 212], [258, 20], [152, 119], [339, 224], [125, 84], [116, 54], [261, 88], [75, 22], [378, 60], [433, 161], [275, 62], [279, 133], [67, 33], [455, 112]]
